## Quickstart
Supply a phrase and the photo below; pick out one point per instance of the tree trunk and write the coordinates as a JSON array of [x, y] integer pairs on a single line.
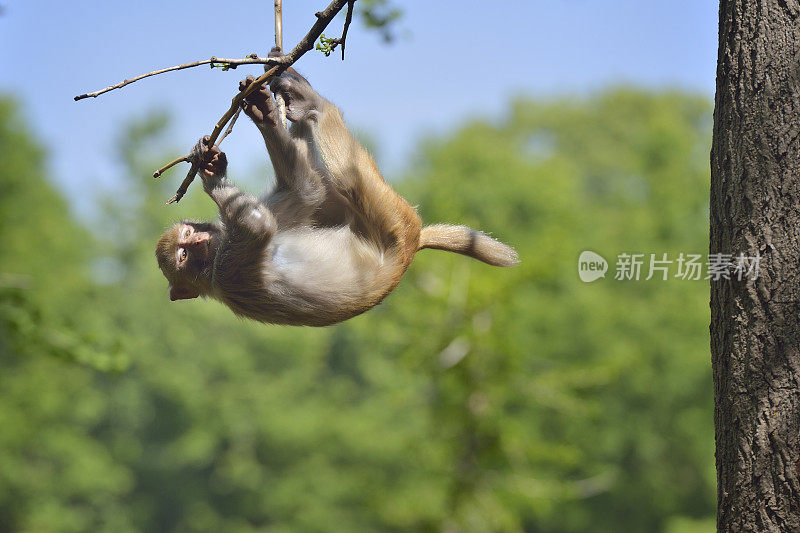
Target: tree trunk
[[755, 209]]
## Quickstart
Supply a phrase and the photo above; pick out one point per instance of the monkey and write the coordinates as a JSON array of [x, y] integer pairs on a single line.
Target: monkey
[[330, 241]]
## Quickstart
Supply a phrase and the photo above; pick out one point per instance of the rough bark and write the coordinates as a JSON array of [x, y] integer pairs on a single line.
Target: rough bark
[[755, 208]]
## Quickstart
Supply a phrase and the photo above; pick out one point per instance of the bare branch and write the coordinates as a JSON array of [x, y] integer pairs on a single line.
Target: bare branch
[[230, 126], [278, 24], [235, 106], [306, 43], [223, 62], [347, 20], [328, 44], [279, 102], [182, 159]]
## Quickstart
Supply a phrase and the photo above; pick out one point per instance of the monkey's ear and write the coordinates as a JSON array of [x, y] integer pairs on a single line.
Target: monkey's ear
[[182, 292]]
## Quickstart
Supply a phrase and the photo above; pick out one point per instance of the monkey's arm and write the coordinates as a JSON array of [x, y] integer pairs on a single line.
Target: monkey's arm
[[237, 210], [244, 212], [290, 160]]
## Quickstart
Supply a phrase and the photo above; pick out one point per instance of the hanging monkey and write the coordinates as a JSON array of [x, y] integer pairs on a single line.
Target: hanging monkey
[[328, 243]]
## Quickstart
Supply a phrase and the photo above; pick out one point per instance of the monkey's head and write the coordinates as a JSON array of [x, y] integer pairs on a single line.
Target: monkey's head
[[185, 254]]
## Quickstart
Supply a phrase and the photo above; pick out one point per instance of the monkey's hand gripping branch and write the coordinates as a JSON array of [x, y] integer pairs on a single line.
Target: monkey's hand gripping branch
[[235, 106], [280, 64], [306, 43]]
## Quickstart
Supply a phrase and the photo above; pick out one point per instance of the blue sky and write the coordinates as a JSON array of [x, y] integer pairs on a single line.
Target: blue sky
[[453, 61]]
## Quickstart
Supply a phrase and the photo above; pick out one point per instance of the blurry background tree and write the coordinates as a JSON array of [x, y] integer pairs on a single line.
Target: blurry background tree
[[471, 400]]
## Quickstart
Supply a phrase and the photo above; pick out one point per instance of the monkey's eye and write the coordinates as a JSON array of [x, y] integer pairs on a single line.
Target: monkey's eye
[[182, 255], [186, 233]]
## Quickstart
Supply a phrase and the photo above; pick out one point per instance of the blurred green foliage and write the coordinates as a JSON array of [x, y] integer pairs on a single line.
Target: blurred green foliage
[[472, 399], [381, 16]]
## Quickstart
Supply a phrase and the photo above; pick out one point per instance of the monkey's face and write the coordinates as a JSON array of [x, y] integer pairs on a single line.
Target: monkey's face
[[185, 255]]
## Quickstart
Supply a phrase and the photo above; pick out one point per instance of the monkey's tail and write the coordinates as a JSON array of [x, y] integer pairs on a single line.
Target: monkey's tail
[[468, 241]]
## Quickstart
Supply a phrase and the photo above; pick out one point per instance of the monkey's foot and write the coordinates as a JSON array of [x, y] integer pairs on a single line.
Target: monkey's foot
[[302, 101]]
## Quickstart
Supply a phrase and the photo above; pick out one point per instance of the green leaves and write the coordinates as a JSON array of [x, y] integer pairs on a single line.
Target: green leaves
[[326, 45], [473, 398], [224, 66]]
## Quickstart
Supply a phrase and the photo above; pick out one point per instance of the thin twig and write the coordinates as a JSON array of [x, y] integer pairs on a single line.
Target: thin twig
[[182, 159], [278, 24], [280, 103], [347, 20], [225, 62], [235, 105], [328, 44], [306, 43], [230, 126]]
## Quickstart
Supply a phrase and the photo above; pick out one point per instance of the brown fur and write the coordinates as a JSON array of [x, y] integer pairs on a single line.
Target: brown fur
[[330, 242], [468, 241]]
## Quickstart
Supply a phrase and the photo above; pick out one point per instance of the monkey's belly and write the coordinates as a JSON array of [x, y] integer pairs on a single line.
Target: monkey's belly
[[316, 277]]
